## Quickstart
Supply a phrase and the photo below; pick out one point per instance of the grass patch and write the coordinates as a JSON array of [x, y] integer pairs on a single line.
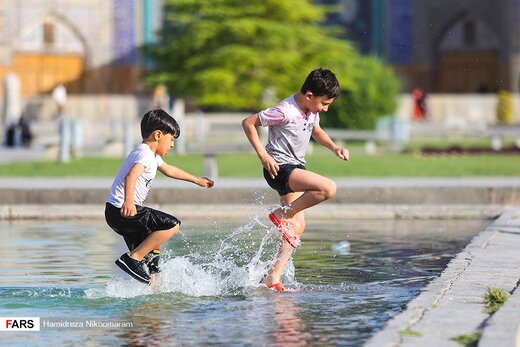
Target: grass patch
[[466, 143], [409, 332], [469, 340], [322, 162], [86, 167], [494, 298]]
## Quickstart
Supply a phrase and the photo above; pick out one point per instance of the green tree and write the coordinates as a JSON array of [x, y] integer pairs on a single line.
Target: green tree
[[371, 94], [225, 54], [505, 110]]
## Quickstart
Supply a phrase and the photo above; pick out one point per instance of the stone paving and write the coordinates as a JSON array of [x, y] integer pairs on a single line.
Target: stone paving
[[452, 305]]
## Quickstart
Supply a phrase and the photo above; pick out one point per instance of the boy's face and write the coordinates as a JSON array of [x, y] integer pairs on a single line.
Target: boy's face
[[317, 104], [165, 143]]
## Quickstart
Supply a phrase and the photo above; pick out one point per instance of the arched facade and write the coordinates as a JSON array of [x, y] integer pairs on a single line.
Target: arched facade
[[465, 46], [47, 52], [467, 57], [90, 46], [441, 46]]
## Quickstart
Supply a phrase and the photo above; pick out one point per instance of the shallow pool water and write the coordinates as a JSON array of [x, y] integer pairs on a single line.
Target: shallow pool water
[[350, 277]]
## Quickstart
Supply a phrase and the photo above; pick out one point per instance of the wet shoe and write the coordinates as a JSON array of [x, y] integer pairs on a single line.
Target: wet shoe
[[286, 230], [277, 286], [152, 261], [136, 269]]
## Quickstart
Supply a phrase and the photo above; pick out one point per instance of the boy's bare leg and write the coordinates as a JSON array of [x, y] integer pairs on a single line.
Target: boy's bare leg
[[311, 189], [153, 280], [274, 274], [286, 250], [315, 188], [154, 239]]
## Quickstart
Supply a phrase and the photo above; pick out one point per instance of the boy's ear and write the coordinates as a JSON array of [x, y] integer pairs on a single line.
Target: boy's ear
[[157, 135], [308, 94]]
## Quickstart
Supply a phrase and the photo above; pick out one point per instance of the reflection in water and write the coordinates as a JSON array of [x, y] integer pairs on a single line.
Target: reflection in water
[[350, 278], [148, 326], [341, 248], [288, 327]]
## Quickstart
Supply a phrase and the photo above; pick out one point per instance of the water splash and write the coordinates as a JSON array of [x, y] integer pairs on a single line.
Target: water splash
[[232, 265], [50, 292]]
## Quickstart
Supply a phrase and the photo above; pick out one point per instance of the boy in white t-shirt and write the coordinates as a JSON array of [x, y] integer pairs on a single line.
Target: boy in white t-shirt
[[145, 229], [291, 124]]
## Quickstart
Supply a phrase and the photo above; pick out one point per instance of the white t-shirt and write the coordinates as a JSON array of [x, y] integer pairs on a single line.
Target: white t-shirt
[[143, 155], [290, 131]]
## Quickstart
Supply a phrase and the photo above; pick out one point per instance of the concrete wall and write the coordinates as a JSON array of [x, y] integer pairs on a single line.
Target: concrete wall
[[104, 116], [472, 108], [458, 111]]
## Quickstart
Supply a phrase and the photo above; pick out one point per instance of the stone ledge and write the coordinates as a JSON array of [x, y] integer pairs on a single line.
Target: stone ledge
[[348, 195], [452, 305], [324, 211]]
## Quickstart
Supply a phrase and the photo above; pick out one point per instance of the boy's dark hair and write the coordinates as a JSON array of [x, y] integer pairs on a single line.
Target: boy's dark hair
[[159, 119], [321, 82]]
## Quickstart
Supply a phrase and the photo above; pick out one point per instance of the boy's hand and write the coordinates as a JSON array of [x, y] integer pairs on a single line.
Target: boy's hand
[[341, 153], [270, 165], [128, 209], [205, 182]]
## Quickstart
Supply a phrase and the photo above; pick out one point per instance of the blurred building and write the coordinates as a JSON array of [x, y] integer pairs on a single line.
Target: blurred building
[[441, 46], [90, 46]]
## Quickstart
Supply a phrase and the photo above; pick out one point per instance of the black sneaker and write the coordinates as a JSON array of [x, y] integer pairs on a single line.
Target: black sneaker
[[136, 269], [152, 260]]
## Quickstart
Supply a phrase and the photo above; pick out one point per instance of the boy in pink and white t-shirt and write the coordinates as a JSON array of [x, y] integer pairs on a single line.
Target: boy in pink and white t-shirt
[[291, 124]]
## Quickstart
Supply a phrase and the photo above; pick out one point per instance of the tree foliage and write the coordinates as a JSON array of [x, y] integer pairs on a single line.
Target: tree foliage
[[505, 109], [371, 94], [225, 54]]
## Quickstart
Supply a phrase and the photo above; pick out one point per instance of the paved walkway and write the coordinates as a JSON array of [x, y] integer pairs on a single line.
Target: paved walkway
[[392, 182], [20, 154], [452, 305]]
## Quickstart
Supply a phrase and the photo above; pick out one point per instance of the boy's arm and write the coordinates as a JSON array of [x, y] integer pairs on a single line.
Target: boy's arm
[[128, 209], [323, 139], [174, 172], [250, 124]]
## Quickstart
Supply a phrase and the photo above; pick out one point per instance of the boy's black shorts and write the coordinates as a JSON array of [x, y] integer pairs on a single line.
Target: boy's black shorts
[[136, 229], [281, 181]]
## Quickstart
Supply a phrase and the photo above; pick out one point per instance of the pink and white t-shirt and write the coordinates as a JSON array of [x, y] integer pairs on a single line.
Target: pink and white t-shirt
[[290, 131]]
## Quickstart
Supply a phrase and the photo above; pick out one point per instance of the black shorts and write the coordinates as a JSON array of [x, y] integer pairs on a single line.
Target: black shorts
[[136, 229], [281, 181]]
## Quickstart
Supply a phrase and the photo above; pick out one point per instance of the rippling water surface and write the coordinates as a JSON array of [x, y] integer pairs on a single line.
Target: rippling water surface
[[350, 277]]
